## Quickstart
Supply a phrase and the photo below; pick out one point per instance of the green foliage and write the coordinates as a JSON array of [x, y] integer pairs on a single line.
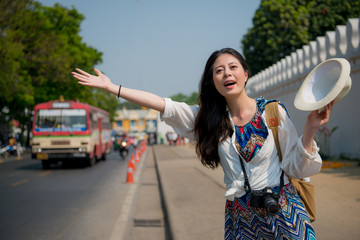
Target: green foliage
[[191, 100], [39, 48], [325, 15], [105, 101], [129, 105], [179, 97], [282, 26], [15, 81]]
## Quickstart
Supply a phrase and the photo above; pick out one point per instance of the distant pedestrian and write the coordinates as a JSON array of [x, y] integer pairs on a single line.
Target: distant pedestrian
[[174, 137], [228, 128], [168, 138]]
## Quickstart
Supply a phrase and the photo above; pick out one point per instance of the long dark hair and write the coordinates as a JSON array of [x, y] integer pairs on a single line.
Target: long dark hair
[[212, 124]]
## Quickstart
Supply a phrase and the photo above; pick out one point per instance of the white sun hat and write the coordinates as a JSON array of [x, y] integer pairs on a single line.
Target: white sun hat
[[328, 81]]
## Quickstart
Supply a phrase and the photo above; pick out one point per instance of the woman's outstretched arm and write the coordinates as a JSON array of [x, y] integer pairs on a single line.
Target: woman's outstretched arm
[[138, 97]]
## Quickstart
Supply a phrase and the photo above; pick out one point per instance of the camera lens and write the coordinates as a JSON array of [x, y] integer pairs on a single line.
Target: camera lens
[[271, 204]]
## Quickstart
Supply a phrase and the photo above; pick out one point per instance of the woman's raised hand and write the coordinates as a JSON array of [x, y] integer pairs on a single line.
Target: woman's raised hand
[[100, 81], [314, 121], [318, 119]]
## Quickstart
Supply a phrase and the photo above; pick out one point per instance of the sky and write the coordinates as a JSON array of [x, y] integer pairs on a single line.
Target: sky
[[160, 46]]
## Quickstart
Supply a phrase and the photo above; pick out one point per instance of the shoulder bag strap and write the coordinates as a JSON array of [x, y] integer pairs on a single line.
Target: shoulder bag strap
[[272, 119]]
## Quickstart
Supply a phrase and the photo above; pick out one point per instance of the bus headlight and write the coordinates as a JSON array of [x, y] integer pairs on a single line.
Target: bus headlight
[[82, 149], [39, 150]]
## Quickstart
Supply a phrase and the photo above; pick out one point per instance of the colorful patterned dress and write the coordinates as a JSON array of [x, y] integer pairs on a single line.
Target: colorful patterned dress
[[245, 222]]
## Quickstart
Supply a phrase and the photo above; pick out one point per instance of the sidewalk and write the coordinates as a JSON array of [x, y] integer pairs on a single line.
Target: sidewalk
[[193, 194], [194, 197], [148, 219], [338, 203]]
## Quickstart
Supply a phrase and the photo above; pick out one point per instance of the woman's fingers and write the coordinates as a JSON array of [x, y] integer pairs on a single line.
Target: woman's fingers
[[98, 81], [83, 72], [84, 83], [328, 110], [97, 72], [324, 115], [80, 77]]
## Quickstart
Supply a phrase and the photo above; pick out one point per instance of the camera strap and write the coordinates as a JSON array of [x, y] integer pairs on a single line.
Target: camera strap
[[247, 183], [272, 119]]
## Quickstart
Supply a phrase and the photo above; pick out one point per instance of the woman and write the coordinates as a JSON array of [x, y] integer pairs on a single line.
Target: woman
[[229, 128]]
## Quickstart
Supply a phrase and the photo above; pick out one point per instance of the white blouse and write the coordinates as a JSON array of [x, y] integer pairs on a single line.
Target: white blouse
[[264, 170]]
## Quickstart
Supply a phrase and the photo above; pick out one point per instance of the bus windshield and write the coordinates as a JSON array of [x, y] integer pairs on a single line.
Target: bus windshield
[[60, 120]]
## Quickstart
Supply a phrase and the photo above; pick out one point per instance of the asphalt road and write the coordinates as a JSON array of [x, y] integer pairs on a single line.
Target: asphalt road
[[62, 202], [79, 202]]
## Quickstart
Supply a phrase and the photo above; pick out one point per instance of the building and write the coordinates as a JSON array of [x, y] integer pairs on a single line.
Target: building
[[137, 122]]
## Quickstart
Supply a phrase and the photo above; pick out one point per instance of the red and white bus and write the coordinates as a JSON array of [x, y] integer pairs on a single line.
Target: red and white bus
[[68, 130]]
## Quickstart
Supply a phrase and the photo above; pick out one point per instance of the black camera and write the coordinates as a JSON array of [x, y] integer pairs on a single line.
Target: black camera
[[265, 198]]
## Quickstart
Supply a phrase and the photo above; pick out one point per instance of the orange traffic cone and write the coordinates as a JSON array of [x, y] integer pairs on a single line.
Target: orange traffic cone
[[130, 175], [142, 147], [130, 165], [133, 162], [137, 154]]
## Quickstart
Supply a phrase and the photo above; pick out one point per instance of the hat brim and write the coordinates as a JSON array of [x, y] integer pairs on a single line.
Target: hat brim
[[328, 81]]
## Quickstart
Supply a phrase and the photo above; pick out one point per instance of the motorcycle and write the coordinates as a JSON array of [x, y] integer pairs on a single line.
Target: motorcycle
[[4, 151], [13, 150], [124, 148]]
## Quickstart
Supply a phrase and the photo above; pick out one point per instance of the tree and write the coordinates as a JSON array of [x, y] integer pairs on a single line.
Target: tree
[[191, 100], [39, 47], [17, 87], [13, 21], [179, 97], [105, 101], [325, 15], [128, 105], [282, 26]]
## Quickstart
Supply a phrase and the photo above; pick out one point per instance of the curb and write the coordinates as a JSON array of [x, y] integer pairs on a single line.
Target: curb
[[167, 223]]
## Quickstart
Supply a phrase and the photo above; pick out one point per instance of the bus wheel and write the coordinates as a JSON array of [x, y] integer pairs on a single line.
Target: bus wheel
[[92, 160], [45, 164], [103, 156]]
